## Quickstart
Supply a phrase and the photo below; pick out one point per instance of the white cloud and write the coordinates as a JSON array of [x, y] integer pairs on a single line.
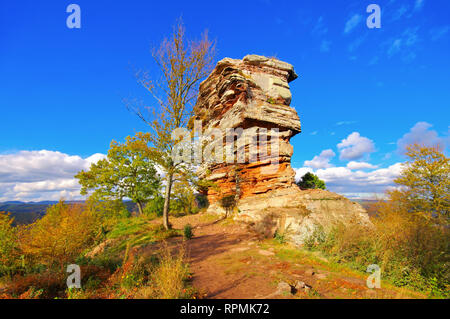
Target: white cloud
[[421, 134], [41, 175], [355, 147], [360, 165], [345, 123], [352, 23], [404, 44], [400, 12], [356, 184], [319, 28], [322, 160]]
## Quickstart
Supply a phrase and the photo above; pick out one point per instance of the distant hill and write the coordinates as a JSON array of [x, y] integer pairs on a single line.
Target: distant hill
[[368, 205], [25, 213], [29, 212]]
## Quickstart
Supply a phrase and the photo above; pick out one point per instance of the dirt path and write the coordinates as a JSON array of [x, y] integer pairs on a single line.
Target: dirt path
[[229, 261]]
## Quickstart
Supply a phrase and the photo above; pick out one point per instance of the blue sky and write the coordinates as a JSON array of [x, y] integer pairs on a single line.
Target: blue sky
[[362, 93]]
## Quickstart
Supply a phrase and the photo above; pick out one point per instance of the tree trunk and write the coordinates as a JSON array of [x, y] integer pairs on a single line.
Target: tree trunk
[[139, 205], [167, 201]]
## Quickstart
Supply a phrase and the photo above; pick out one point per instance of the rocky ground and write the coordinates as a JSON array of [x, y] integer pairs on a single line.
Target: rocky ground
[[230, 261]]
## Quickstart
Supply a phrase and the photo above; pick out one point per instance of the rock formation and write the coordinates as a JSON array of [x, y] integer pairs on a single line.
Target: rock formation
[[245, 105]]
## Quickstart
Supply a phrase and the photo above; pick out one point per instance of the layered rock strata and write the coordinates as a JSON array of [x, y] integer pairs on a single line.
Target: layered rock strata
[[244, 105]]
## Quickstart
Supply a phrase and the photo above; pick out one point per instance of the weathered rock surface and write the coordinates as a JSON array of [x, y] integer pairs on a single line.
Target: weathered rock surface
[[253, 95]]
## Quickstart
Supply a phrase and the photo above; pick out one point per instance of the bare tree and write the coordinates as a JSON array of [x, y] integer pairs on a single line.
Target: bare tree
[[182, 64]]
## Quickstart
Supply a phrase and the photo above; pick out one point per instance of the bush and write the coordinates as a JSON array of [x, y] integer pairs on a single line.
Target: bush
[[411, 251], [311, 181], [187, 232], [61, 235], [9, 255], [154, 206], [170, 275]]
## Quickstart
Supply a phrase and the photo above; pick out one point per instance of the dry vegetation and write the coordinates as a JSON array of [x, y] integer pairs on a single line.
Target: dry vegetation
[[410, 237], [34, 257]]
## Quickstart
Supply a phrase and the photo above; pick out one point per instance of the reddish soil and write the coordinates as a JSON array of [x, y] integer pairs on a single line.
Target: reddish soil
[[229, 261]]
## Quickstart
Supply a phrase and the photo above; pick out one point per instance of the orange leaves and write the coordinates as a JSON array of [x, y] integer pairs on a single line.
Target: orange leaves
[[61, 235]]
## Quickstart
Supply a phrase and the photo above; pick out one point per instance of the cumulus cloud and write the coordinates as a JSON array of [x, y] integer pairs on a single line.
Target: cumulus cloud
[[421, 134], [352, 23], [322, 160], [360, 165], [356, 184], [355, 147], [41, 175]]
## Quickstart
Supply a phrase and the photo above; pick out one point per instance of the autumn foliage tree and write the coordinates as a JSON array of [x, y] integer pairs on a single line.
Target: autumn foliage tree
[[412, 225], [425, 182], [8, 243], [182, 64], [128, 171], [61, 235]]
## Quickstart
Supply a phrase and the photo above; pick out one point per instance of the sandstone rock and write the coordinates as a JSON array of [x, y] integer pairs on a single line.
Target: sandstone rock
[[252, 96], [283, 288], [299, 285]]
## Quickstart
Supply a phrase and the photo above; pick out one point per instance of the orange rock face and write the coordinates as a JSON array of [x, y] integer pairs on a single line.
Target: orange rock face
[[245, 104]]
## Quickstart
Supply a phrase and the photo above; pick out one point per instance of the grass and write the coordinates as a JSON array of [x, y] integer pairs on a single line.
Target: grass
[[335, 271], [138, 231]]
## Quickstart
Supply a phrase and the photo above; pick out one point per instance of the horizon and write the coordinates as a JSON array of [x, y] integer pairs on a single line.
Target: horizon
[[362, 94]]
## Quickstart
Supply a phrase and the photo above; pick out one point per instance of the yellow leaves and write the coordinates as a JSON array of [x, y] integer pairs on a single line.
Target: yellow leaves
[[61, 235], [7, 240], [425, 182]]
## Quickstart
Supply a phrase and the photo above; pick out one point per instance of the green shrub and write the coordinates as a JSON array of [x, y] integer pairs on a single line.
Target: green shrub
[[187, 231], [154, 206]]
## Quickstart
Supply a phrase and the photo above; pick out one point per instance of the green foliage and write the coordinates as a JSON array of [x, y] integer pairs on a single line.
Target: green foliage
[[154, 206], [202, 201], [280, 237], [187, 232], [311, 181], [108, 211], [228, 203], [316, 239], [128, 171]]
